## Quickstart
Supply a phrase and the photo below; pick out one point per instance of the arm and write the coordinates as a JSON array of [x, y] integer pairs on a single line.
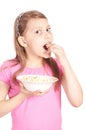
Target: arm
[[70, 82], [7, 105], [71, 85]]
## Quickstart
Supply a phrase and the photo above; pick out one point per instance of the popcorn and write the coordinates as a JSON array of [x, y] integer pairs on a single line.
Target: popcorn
[[36, 78]]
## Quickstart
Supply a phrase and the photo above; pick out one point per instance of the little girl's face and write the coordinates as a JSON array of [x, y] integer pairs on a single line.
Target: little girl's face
[[37, 35]]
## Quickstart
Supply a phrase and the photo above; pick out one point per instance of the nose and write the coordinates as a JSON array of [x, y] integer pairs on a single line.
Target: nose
[[48, 36]]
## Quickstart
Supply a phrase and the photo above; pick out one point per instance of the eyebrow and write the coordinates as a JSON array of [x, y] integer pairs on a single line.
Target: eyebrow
[[42, 27]]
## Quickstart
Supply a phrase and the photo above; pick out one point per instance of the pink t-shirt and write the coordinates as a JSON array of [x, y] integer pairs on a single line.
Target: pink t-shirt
[[36, 112]]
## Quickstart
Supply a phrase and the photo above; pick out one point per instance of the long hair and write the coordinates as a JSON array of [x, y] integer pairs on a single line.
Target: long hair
[[19, 29]]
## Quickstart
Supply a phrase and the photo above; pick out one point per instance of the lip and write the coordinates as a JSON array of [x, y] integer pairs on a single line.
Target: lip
[[46, 45]]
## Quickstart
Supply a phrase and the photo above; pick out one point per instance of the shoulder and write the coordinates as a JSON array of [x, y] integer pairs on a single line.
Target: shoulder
[[7, 69], [5, 64], [8, 64]]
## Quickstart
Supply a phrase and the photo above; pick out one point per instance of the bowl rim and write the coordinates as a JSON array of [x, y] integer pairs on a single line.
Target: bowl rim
[[55, 79]]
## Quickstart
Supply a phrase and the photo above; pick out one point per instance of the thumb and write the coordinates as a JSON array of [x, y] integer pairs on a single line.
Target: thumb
[[21, 85]]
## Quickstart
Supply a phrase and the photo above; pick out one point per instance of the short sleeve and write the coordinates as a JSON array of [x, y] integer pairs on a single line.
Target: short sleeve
[[5, 73]]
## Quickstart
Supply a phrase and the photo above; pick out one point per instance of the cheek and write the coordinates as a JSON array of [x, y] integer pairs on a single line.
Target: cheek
[[35, 47], [52, 38], [35, 43]]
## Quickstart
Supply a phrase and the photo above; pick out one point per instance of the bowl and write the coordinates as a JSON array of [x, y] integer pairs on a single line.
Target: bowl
[[37, 82]]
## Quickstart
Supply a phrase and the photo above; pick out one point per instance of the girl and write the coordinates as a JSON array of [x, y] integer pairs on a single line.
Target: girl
[[33, 41]]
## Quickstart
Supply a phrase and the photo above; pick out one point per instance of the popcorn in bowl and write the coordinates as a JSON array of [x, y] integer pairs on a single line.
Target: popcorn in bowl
[[37, 82]]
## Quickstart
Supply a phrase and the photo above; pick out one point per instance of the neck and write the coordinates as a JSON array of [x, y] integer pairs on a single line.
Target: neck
[[35, 63]]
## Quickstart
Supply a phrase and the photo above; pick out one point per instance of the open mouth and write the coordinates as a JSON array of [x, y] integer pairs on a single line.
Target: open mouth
[[45, 47]]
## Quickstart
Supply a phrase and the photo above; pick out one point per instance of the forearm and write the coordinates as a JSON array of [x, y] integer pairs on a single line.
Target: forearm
[[71, 85], [70, 82], [7, 106]]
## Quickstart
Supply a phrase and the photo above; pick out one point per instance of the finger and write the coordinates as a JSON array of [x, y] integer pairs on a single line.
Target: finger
[[20, 83], [44, 92]]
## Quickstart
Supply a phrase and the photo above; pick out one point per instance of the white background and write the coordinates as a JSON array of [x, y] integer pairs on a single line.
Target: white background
[[68, 19]]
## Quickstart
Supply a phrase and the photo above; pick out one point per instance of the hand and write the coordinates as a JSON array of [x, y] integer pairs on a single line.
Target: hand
[[28, 93], [58, 51], [39, 93]]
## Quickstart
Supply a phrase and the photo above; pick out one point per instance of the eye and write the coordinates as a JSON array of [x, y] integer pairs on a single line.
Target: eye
[[48, 29], [37, 31]]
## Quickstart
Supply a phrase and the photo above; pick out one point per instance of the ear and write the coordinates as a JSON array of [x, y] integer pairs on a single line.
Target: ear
[[22, 41]]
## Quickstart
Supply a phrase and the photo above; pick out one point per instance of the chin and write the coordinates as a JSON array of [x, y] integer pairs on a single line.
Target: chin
[[47, 56]]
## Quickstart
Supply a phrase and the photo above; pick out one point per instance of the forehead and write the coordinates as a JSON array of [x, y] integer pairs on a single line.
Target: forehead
[[37, 23]]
